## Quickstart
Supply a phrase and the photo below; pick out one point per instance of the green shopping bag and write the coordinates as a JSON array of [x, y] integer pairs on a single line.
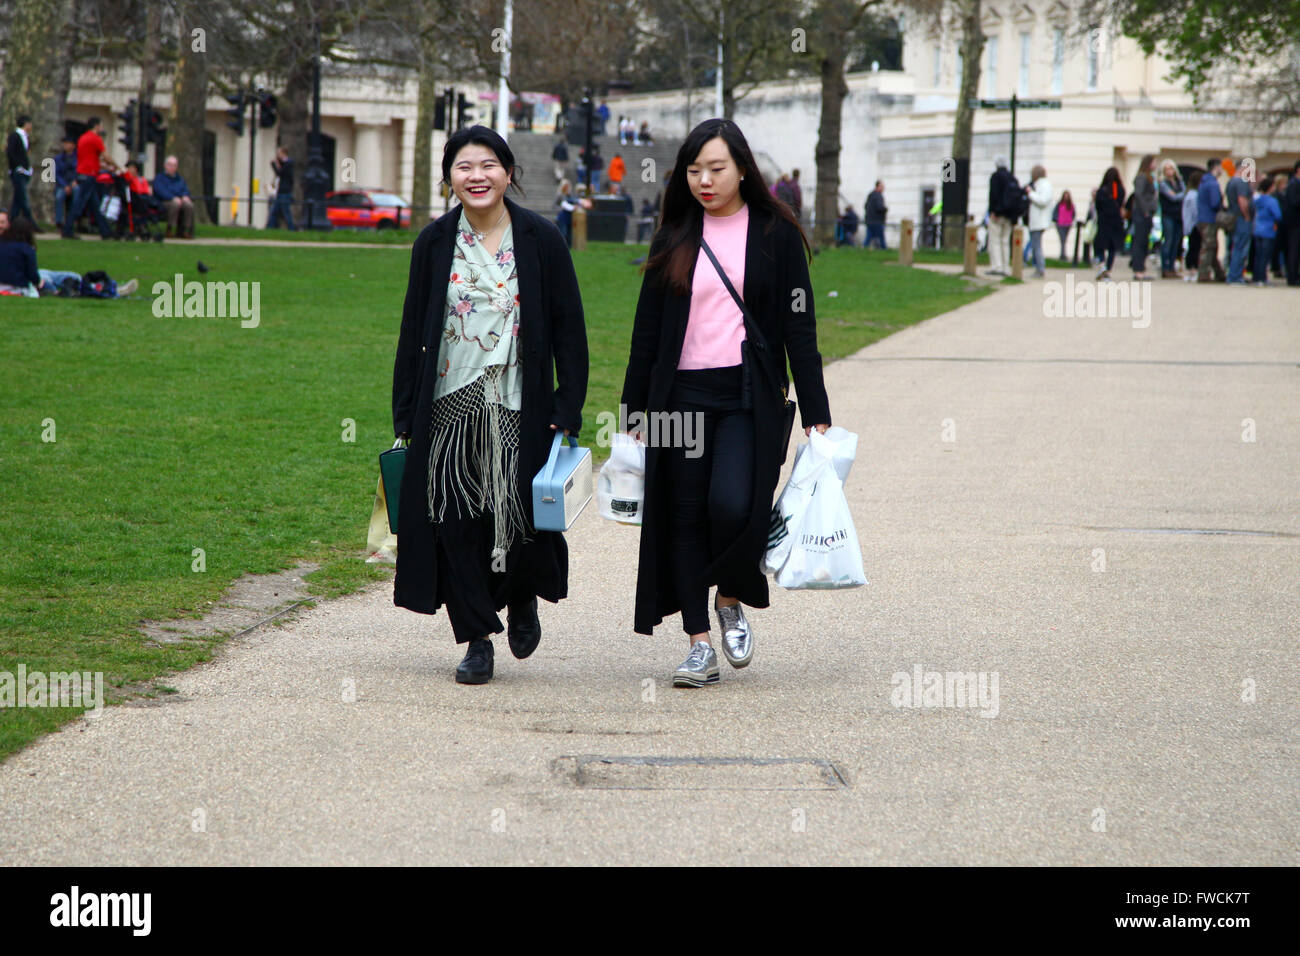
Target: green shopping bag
[[391, 465]]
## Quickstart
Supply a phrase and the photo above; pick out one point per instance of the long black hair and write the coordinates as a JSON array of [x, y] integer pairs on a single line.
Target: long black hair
[[482, 136], [682, 226]]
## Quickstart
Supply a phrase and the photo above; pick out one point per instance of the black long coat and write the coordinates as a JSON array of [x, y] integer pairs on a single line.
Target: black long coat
[[775, 272], [553, 344]]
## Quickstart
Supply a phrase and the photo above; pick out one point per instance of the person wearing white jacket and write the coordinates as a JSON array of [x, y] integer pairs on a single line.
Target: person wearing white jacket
[[1040, 217]]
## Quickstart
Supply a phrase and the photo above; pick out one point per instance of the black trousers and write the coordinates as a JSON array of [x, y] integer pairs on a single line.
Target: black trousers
[[1293, 255], [711, 493], [1110, 239], [468, 584], [1193, 259]]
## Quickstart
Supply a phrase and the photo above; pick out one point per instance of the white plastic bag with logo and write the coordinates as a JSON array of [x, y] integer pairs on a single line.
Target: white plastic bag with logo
[[813, 543], [620, 487]]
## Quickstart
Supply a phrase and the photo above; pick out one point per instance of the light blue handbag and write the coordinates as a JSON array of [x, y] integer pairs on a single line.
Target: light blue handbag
[[563, 487]]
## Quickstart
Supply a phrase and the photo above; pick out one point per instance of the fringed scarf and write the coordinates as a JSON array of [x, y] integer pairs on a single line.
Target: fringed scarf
[[474, 433]]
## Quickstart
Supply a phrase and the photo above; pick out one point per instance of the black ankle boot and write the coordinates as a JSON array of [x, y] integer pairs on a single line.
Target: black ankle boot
[[523, 629], [476, 668]]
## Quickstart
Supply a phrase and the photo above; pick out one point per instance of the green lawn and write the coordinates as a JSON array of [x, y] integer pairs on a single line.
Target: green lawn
[[173, 434], [381, 237]]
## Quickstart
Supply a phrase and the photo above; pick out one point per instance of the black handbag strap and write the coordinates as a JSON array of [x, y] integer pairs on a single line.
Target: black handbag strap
[[725, 281], [744, 310]]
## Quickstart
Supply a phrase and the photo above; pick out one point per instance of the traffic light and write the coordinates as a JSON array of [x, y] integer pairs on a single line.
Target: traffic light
[[464, 114], [237, 103], [127, 139], [268, 116], [154, 131]]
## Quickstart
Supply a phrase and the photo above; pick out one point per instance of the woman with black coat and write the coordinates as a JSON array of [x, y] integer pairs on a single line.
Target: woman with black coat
[[1110, 220], [695, 351], [492, 320]]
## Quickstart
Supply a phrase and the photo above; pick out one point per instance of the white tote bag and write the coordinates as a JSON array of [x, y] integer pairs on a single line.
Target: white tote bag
[[620, 488], [814, 544]]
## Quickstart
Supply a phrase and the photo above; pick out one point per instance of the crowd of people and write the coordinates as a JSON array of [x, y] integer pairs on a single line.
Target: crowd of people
[[1163, 217], [116, 199], [587, 177]]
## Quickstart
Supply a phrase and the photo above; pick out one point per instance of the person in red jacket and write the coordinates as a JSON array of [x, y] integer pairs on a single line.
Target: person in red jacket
[[90, 156]]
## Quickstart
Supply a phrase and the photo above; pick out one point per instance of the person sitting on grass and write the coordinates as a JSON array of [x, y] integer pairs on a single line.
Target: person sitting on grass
[[19, 274]]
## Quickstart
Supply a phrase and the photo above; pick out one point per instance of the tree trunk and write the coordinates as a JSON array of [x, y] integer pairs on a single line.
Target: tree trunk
[[295, 118], [427, 100], [149, 51], [33, 67], [185, 119], [834, 89], [972, 48]]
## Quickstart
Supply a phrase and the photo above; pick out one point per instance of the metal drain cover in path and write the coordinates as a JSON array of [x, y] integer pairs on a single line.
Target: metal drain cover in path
[[596, 772]]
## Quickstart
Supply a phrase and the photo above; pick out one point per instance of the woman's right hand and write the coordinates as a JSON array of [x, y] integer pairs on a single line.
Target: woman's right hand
[[636, 435]]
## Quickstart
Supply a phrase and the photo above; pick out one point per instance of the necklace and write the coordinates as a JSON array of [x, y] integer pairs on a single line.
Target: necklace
[[482, 236]]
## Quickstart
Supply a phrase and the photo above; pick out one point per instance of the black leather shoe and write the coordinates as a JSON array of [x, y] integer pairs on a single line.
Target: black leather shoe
[[476, 668], [523, 628]]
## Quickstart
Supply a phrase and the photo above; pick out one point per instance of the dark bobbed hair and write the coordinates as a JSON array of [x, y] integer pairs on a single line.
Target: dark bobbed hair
[[92, 122], [1194, 178], [482, 136], [21, 229], [682, 226]]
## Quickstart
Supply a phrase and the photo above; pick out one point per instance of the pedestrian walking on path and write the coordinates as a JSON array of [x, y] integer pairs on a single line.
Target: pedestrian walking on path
[[1209, 202], [710, 340], [1040, 217], [1172, 193], [1110, 221], [1191, 261], [1001, 216], [1145, 206], [493, 316]]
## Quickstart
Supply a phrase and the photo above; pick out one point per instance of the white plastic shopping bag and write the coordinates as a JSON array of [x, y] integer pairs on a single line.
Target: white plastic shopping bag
[[813, 543], [620, 487]]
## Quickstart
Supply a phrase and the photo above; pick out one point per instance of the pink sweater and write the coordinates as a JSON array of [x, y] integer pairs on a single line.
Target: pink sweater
[[715, 326]]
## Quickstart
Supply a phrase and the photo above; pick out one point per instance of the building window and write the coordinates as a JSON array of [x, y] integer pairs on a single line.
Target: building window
[[1024, 64], [992, 70], [1058, 60], [938, 62], [1094, 44]]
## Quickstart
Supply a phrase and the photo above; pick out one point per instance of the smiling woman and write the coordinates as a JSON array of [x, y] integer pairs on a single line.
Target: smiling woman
[[492, 318]]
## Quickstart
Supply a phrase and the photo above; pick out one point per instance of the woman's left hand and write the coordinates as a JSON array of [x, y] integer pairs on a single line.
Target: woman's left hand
[[566, 431], [821, 429]]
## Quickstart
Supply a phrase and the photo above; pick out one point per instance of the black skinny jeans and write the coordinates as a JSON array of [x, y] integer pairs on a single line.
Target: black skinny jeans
[[711, 494]]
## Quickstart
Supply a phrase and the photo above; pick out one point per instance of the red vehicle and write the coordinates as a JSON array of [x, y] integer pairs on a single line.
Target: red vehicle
[[367, 209]]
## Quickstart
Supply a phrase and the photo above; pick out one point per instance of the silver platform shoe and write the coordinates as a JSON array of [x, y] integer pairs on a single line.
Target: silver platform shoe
[[699, 668], [737, 636]]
